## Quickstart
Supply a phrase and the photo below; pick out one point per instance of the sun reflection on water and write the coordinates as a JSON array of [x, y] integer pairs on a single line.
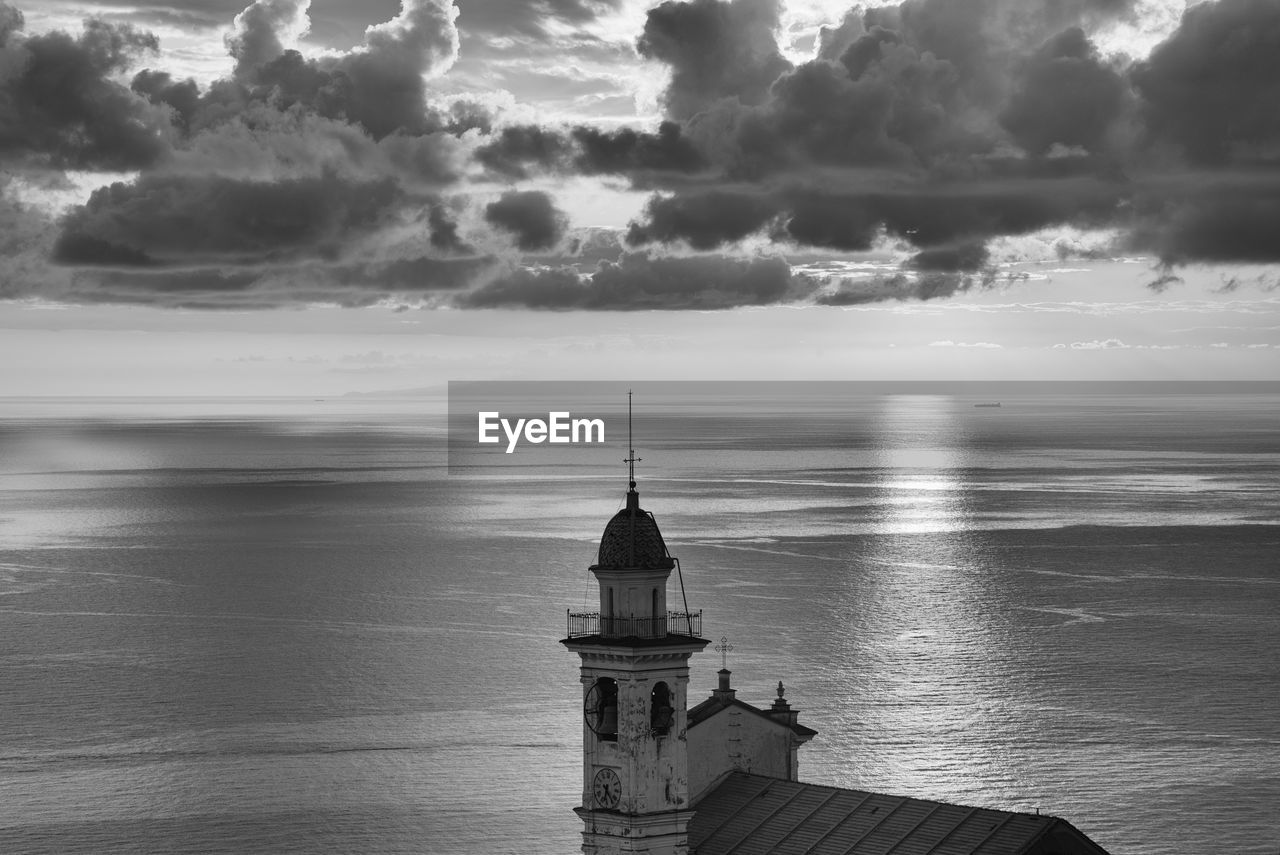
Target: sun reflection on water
[[919, 454], [919, 641]]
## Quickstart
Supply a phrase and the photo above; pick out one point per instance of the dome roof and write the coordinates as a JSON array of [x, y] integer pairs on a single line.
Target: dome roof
[[632, 541]]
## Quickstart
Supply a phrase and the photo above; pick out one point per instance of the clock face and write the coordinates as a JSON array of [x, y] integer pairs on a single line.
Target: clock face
[[606, 788]]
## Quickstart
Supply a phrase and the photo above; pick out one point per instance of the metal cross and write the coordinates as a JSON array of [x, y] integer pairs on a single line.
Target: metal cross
[[632, 460], [723, 649]]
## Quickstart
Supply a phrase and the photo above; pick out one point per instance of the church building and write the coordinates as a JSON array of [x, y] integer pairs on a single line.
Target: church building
[[722, 776]]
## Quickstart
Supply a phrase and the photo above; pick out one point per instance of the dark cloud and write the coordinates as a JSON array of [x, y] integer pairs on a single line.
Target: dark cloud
[[419, 274], [77, 247], [947, 123], [821, 219], [1208, 96], [1064, 96], [381, 98], [59, 101], [938, 125], [1210, 218], [637, 281], [180, 219], [432, 159], [715, 50], [625, 151], [704, 220], [530, 216], [518, 150], [983, 39], [290, 161], [444, 231], [199, 289], [937, 215], [357, 283], [922, 85], [266, 144], [899, 286], [286, 178], [1212, 88], [892, 109], [967, 257], [379, 85], [181, 96], [177, 288], [11, 21], [547, 288], [698, 282]]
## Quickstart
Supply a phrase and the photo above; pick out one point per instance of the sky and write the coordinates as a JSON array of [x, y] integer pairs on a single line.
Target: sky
[[314, 198]]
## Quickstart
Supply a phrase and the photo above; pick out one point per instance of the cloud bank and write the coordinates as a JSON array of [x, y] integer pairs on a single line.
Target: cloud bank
[[350, 176]]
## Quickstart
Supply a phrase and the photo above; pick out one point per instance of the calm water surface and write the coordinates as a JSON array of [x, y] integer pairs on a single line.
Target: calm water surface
[[284, 628]]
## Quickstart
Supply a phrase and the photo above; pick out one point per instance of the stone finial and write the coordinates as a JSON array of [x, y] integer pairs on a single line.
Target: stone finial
[[780, 706]]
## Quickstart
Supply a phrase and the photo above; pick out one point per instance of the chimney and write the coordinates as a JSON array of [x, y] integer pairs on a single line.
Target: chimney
[[723, 692]]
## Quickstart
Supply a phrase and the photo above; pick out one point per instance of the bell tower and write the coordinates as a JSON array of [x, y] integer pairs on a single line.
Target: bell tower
[[635, 676]]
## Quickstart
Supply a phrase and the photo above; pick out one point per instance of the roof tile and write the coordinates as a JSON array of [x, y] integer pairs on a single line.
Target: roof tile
[[754, 815]]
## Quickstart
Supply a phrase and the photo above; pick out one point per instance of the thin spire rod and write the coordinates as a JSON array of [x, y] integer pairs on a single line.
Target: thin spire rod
[[631, 460]]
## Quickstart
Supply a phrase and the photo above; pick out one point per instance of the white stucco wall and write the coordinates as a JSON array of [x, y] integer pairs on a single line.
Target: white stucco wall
[[735, 739]]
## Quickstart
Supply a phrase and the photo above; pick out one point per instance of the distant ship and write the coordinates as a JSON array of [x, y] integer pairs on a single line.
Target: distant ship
[[988, 404]]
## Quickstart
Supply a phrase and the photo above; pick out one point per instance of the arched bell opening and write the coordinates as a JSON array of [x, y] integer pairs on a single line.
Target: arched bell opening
[[600, 709], [662, 712]]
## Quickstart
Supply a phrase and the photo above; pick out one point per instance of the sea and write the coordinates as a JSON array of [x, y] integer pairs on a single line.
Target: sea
[[289, 626]]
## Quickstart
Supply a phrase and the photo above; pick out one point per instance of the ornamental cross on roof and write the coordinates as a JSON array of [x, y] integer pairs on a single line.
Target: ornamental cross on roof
[[631, 460], [723, 649]]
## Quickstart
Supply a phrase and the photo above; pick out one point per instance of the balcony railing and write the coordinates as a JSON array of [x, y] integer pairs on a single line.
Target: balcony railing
[[687, 624]]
